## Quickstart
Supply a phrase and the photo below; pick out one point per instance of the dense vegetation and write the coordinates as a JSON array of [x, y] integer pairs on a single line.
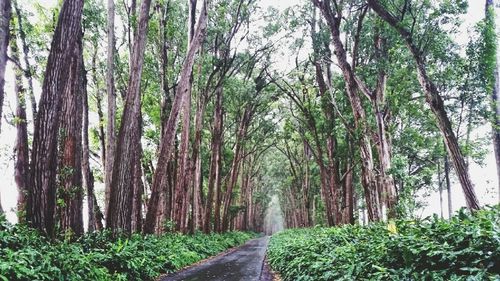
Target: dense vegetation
[[26, 255], [466, 247]]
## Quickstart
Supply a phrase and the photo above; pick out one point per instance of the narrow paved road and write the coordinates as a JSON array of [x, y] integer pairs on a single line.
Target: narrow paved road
[[242, 264]]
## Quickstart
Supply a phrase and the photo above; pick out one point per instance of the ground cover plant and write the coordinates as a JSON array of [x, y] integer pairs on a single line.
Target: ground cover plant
[[466, 247], [26, 255]]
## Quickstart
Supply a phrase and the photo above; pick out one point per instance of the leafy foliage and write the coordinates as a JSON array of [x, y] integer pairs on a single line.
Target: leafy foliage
[[467, 247], [25, 255]]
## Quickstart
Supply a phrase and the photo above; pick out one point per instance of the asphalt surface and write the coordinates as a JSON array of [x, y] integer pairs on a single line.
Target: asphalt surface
[[243, 264]]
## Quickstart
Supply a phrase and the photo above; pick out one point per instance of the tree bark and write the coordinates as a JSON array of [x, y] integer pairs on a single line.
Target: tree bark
[[196, 160], [448, 184], [42, 199], [70, 150], [98, 97], [183, 165], [119, 213], [436, 104], [368, 177], [215, 159], [111, 93], [166, 144], [138, 186], [94, 214], [5, 13], [235, 166], [21, 148]]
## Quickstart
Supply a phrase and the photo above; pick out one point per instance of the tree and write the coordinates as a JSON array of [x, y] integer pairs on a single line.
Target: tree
[[167, 139], [70, 189], [119, 212], [436, 104], [94, 213], [110, 90], [21, 148], [42, 198], [372, 186]]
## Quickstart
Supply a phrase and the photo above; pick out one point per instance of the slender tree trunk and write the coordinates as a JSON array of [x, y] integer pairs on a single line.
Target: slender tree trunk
[[166, 102], [100, 114], [138, 186], [448, 184], [166, 144], [440, 187], [437, 107], [348, 185], [111, 93], [94, 214], [196, 160], [119, 211], [70, 151], [42, 199], [5, 13], [29, 70], [21, 149], [383, 144], [235, 166], [183, 167], [215, 158], [368, 177]]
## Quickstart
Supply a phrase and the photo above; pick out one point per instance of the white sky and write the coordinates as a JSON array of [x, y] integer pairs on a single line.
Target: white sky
[[483, 177]]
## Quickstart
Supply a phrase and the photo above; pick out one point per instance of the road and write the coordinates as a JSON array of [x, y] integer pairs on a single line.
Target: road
[[242, 264]]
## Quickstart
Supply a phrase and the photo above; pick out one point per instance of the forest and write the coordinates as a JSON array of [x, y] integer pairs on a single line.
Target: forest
[[140, 137]]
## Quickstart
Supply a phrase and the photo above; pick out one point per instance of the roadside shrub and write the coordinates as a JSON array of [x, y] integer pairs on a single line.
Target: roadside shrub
[[466, 247], [26, 255]]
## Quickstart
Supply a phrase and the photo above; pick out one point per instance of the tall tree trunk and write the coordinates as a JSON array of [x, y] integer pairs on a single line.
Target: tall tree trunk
[[235, 167], [196, 160], [29, 70], [492, 41], [100, 114], [42, 198], [436, 104], [5, 13], [94, 213], [383, 144], [70, 151], [215, 159], [111, 93], [333, 183], [368, 177], [21, 149], [183, 167], [166, 144], [119, 213]]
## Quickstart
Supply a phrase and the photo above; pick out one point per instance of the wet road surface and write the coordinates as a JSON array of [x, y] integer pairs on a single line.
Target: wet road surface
[[243, 264]]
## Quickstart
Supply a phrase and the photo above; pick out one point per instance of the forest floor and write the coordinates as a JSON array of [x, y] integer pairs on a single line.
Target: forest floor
[[244, 263]]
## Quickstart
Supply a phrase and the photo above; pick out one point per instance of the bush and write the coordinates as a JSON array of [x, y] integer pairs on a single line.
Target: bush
[[26, 255], [466, 247]]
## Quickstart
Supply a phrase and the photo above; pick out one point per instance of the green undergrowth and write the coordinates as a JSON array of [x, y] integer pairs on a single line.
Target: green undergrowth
[[467, 247], [25, 255]]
